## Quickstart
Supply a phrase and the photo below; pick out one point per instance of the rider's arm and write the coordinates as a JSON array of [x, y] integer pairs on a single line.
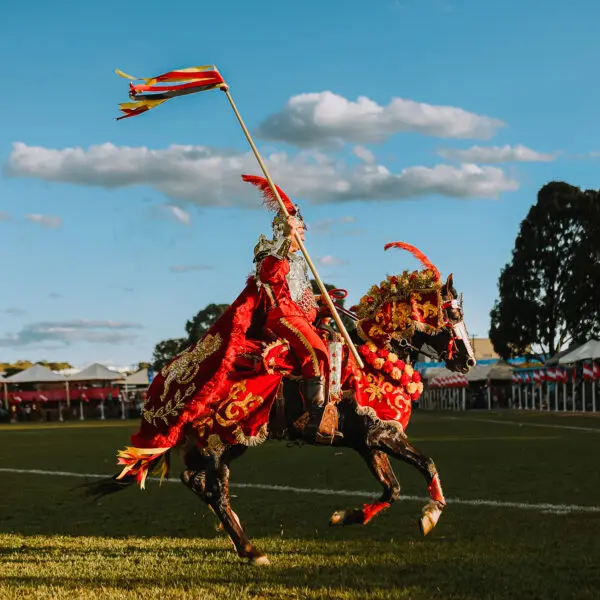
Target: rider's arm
[[273, 270]]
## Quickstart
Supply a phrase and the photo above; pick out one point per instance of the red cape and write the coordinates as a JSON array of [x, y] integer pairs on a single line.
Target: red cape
[[198, 378]]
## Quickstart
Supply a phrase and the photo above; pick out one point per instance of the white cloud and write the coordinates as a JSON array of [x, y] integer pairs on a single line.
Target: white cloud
[[347, 219], [178, 213], [330, 261], [364, 154], [44, 220], [188, 268], [4, 216], [208, 177], [496, 154], [323, 119], [594, 154], [71, 331]]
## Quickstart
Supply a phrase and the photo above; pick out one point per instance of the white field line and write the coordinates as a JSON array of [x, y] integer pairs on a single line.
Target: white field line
[[543, 507], [521, 423]]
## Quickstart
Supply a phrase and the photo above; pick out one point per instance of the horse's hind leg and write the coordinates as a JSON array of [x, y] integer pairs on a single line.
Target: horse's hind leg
[[208, 477], [395, 443], [379, 465]]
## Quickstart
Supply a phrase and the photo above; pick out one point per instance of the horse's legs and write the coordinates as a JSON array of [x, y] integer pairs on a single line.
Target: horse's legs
[[208, 477], [394, 442], [379, 464]]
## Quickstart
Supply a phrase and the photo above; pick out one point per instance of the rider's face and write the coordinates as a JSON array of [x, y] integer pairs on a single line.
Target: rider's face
[[294, 247]]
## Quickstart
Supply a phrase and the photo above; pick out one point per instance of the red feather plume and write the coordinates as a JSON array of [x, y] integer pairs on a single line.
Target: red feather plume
[[417, 254], [268, 196]]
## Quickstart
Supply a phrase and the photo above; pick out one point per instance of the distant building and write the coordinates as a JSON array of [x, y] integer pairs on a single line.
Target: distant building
[[483, 349]]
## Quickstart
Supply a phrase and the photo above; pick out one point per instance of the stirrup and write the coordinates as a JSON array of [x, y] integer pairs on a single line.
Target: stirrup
[[317, 431]]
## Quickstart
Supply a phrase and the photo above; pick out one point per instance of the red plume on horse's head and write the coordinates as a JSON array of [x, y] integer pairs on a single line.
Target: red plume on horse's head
[[417, 254], [268, 196]]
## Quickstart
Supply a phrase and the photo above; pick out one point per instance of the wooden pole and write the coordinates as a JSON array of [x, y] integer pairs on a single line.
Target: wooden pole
[[324, 293]]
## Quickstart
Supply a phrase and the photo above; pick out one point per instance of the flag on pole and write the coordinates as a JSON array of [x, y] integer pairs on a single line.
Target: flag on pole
[[148, 95]]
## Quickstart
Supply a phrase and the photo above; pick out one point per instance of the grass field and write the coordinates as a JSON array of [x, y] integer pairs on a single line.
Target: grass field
[[162, 543]]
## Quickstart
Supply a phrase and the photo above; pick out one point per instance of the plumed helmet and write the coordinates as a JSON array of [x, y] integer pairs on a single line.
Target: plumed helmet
[[270, 201]]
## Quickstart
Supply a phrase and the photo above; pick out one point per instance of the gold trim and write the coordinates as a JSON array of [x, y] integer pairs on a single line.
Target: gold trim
[[252, 440], [305, 343]]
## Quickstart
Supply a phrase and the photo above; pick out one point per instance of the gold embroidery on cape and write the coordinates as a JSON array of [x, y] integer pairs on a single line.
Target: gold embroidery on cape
[[236, 410], [170, 409], [186, 366]]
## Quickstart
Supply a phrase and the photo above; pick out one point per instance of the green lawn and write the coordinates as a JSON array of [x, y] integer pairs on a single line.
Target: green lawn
[[162, 543]]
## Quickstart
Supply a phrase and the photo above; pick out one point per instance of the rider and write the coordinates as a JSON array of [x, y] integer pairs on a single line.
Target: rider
[[291, 307]]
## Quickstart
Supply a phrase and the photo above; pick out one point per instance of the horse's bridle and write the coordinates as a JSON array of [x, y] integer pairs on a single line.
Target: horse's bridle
[[457, 330]]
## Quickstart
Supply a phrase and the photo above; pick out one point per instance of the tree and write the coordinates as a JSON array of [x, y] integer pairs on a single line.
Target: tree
[[11, 368], [197, 326], [546, 299]]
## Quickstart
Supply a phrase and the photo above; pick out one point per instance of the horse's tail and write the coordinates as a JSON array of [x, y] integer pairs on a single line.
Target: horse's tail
[[95, 490], [138, 464]]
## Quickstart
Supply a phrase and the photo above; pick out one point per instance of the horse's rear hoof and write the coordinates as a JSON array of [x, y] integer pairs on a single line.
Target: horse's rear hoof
[[337, 518], [347, 517], [431, 515], [261, 561]]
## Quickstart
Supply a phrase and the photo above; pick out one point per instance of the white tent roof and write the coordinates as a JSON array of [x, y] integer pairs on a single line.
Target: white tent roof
[[591, 349], [497, 371], [138, 378], [36, 374], [96, 372]]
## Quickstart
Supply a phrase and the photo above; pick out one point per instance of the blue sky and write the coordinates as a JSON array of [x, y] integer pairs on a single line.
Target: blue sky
[[433, 122]]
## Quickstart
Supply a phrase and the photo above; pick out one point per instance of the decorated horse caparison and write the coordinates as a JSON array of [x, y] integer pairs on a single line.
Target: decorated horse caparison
[[257, 397]]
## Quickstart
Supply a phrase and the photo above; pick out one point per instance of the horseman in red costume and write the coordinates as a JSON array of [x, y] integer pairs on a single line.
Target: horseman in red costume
[[291, 309], [277, 303]]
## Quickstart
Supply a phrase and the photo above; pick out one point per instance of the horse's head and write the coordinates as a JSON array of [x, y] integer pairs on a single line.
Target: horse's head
[[451, 343], [416, 310]]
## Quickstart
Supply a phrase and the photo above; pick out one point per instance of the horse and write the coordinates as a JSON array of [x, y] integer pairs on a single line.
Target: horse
[[394, 323]]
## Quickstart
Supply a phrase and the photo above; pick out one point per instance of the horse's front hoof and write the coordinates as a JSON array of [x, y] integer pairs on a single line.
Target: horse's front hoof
[[260, 561], [430, 517]]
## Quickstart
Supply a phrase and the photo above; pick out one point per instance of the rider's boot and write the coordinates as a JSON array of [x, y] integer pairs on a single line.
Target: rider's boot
[[317, 430]]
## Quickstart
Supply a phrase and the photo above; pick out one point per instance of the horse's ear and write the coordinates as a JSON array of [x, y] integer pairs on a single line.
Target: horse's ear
[[449, 285]]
